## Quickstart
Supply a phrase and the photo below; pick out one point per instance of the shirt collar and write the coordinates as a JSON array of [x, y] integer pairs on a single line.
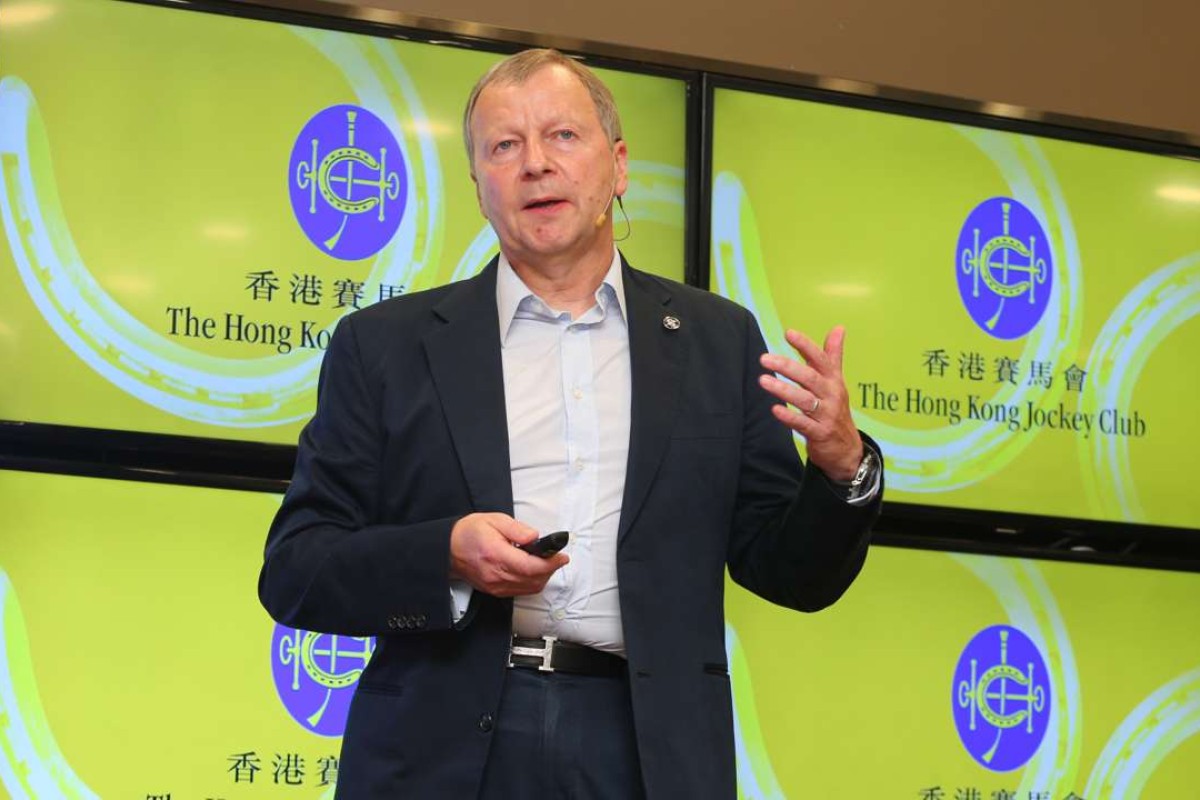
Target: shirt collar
[[511, 291]]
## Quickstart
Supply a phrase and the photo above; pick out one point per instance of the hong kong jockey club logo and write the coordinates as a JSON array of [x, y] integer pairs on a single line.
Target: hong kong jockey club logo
[[1004, 267], [347, 182], [1001, 698], [315, 675]]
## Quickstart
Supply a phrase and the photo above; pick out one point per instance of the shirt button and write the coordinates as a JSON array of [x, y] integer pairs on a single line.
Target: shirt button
[[579, 465], [559, 613], [578, 393]]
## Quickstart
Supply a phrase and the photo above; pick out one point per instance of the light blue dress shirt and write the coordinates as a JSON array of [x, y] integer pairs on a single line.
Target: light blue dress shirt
[[568, 400]]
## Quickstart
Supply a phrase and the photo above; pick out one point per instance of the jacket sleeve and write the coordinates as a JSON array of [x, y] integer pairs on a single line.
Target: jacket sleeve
[[330, 565], [795, 541]]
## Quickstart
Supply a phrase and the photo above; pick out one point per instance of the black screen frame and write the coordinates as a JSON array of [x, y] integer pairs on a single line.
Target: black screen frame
[[232, 463], [990, 531], [229, 461]]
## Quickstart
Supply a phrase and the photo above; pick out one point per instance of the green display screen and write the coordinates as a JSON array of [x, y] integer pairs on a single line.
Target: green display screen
[[191, 201], [1021, 312], [129, 623]]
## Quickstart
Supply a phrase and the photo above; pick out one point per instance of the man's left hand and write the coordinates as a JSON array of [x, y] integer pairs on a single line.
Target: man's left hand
[[815, 403]]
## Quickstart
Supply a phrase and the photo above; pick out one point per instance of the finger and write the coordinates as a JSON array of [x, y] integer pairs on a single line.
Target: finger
[[526, 568], [794, 371], [512, 570], [550, 565], [835, 346], [808, 350], [514, 530], [787, 392], [802, 424], [526, 574]]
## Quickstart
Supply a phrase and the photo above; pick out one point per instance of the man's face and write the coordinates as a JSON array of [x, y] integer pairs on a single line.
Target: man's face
[[544, 170]]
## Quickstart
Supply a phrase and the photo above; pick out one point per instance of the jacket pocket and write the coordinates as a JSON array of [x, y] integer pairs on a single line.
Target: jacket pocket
[[379, 688]]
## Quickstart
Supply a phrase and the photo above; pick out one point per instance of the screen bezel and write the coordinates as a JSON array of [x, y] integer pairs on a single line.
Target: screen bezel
[[232, 463], [990, 531], [239, 460]]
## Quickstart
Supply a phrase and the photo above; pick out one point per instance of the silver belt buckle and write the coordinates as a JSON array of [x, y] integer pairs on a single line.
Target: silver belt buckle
[[544, 653]]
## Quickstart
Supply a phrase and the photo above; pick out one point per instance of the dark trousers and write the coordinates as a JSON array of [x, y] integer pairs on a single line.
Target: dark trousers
[[563, 737]]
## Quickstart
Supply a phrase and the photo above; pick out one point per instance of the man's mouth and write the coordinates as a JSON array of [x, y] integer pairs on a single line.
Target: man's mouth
[[544, 203]]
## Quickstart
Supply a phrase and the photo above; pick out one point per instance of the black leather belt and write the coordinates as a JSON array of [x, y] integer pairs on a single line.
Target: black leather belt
[[550, 654]]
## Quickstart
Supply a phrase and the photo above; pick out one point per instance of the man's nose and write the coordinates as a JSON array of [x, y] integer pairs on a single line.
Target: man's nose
[[537, 160]]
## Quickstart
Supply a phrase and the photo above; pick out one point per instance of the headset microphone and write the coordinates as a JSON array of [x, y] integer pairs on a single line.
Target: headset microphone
[[612, 194], [628, 228]]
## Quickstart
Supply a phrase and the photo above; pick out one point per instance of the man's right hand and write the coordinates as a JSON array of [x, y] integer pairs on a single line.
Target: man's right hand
[[482, 553]]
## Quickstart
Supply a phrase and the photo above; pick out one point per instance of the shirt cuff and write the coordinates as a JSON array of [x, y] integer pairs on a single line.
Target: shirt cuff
[[460, 598]]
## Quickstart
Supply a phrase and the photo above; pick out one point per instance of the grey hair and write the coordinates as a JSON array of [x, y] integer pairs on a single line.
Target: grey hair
[[516, 69]]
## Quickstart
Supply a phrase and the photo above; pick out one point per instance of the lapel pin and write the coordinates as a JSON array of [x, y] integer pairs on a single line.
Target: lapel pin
[[671, 323]]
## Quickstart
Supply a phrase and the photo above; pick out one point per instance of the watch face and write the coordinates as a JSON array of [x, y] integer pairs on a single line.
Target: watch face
[[864, 469]]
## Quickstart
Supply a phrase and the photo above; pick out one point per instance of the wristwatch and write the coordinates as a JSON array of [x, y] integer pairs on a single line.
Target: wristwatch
[[864, 476]]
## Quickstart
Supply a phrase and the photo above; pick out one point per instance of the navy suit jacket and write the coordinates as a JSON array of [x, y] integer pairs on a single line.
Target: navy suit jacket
[[410, 434]]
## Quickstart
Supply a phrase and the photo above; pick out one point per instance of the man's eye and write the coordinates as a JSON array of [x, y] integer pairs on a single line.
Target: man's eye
[[566, 135], [501, 147]]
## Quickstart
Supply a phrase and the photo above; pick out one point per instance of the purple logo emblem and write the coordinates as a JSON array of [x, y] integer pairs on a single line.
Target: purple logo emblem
[[347, 182], [1005, 270], [315, 674], [1001, 698]]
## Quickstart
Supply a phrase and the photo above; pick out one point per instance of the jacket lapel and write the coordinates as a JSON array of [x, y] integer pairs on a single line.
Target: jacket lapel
[[464, 359], [657, 355]]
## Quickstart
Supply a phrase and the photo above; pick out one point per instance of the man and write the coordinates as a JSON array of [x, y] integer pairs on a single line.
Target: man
[[559, 389]]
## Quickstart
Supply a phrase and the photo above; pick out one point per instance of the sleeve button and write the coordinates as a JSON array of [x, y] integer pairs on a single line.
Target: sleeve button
[[486, 722]]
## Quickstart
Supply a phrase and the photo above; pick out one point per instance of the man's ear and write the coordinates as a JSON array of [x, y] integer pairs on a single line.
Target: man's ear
[[621, 156], [479, 196]]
